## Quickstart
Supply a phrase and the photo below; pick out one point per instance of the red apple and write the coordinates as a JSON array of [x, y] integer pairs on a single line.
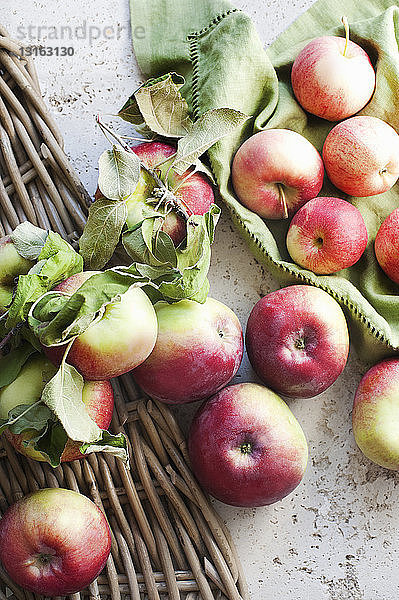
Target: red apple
[[27, 388], [275, 172], [246, 447], [195, 195], [297, 340], [375, 415], [54, 542], [333, 77], [327, 235], [198, 350], [387, 246], [361, 156], [119, 341]]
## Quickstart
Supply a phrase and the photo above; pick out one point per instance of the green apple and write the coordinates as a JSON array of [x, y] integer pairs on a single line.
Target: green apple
[[12, 264], [27, 389], [375, 416]]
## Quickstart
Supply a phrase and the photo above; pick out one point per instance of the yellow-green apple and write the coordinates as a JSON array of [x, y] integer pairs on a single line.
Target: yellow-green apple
[[327, 235], [375, 416], [246, 447], [297, 340], [27, 389], [333, 77], [361, 156], [6, 294], [387, 246], [54, 542], [116, 343], [194, 193], [12, 264], [275, 172], [198, 350]]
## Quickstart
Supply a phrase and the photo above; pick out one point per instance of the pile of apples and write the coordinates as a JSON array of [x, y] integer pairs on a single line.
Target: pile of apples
[[245, 445], [278, 173]]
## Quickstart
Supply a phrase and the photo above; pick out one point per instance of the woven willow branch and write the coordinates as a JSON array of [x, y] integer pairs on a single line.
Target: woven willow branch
[[167, 540]]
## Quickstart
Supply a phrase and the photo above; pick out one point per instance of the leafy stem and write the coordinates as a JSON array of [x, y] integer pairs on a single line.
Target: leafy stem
[[9, 335], [161, 191]]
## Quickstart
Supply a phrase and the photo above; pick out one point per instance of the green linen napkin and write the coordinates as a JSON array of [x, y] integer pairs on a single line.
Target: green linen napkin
[[218, 50]]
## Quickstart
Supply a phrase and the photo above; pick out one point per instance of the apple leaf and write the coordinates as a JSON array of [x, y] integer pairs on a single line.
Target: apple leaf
[[159, 105], [201, 167], [211, 127], [12, 363], [57, 261], [111, 444], [26, 416], [119, 173], [163, 108], [177, 272], [102, 232], [29, 240], [51, 443], [63, 395], [56, 318]]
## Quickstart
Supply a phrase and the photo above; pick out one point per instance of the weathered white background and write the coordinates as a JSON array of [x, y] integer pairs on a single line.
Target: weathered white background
[[336, 537]]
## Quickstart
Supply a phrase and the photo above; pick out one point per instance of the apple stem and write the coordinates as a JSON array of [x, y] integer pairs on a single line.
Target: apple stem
[[183, 180], [346, 26], [9, 335], [165, 160], [283, 200]]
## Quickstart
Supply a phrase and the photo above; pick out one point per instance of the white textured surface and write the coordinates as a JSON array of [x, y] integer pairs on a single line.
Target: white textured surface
[[336, 536]]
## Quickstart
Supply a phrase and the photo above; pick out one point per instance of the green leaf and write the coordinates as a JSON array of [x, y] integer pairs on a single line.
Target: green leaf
[[58, 261], [12, 363], [29, 289], [29, 240], [119, 173], [56, 318], [164, 249], [51, 444], [131, 110], [27, 416], [135, 245], [163, 108], [111, 444], [193, 261], [211, 127], [63, 395], [102, 232], [201, 167]]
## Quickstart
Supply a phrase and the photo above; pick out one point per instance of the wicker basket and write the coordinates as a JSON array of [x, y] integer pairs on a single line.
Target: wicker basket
[[168, 542]]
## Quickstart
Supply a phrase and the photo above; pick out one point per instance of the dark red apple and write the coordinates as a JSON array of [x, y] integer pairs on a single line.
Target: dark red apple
[[297, 340], [246, 447]]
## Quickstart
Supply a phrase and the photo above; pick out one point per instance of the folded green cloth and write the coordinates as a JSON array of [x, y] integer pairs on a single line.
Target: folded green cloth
[[218, 50]]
